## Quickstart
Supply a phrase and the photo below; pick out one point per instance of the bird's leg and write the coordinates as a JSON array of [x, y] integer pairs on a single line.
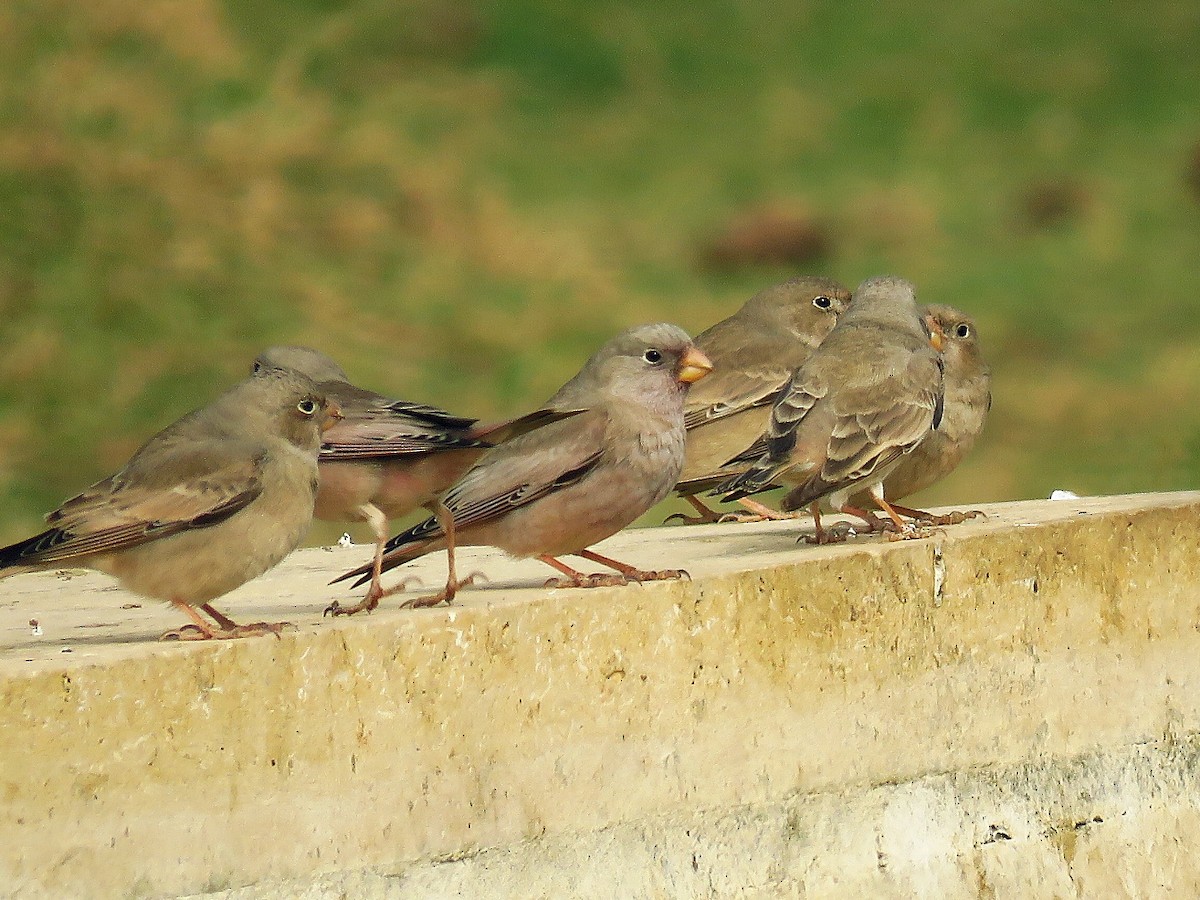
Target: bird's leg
[[446, 520], [873, 522], [821, 535], [759, 512], [374, 594], [951, 518], [378, 521], [201, 630], [707, 514], [904, 530], [575, 578], [379, 526], [630, 572]]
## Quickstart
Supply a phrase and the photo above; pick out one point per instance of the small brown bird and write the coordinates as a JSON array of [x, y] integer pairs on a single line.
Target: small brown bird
[[869, 394], [563, 487], [387, 457], [968, 398], [205, 505], [754, 353]]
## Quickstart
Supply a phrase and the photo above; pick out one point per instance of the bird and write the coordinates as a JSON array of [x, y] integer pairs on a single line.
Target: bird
[[558, 490], [754, 353], [385, 457], [868, 395], [205, 505], [968, 399]]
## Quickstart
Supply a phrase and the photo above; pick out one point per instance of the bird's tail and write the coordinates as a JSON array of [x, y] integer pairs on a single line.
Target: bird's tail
[[31, 552], [404, 547], [703, 483], [759, 477]]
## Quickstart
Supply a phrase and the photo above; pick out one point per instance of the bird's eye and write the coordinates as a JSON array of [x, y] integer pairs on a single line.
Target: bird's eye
[[307, 406], [963, 331], [654, 357], [822, 302], [257, 367]]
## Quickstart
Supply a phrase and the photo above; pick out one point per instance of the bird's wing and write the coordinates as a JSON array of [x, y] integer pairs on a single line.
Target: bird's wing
[[874, 426], [733, 392], [374, 426], [520, 471], [124, 511], [770, 455]]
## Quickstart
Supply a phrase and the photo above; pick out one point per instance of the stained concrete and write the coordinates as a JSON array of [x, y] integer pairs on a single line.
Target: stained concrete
[[1006, 708]]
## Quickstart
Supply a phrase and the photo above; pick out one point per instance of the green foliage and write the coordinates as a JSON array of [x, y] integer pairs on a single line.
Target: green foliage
[[460, 201]]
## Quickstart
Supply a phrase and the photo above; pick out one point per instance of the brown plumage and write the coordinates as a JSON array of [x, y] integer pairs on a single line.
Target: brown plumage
[[869, 394], [754, 353], [559, 489], [968, 398], [387, 457], [208, 503]]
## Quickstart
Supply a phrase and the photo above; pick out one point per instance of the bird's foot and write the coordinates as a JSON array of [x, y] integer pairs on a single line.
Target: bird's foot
[[912, 531], [221, 633], [374, 594], [838, 533], [705, 514], [640, 575], [616, 579], [445, 595], [769, 516], [955, 517], [700, 519], [583, 580], [759, 512]]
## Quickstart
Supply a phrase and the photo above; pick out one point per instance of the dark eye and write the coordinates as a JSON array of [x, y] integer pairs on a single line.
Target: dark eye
[[654, 357], [963, 331], [822, 302], [257, 367], [307, 406]]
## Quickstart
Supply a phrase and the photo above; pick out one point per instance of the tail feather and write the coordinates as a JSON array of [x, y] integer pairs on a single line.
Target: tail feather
[[404, 547], [756, 479], [704, 483], [30, 552]]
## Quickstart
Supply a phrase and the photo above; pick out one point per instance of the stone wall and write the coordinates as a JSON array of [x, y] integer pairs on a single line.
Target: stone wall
[[1007, 708]]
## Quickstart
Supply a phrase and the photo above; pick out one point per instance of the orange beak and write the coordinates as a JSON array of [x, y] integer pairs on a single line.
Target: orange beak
[[693, 366], [937, 337], [333, 415]]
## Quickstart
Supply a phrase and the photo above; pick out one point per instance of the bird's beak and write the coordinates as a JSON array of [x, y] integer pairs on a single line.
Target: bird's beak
[[333, 415], [937, 337], [693, 366]]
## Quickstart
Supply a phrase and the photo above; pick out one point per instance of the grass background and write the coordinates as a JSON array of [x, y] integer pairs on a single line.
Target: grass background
[[460, 201]]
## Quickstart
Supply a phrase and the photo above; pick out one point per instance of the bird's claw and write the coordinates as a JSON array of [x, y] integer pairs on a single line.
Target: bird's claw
[[446, 594], [693, 520], [616, 579], [742, 517], [956, 517], [834, 534], [371, 600], [366, 604], [596, 579], [912, 531], [658, 575], [253, 629]]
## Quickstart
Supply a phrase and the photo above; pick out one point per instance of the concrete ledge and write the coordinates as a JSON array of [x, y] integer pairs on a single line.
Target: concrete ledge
[[868, 719]]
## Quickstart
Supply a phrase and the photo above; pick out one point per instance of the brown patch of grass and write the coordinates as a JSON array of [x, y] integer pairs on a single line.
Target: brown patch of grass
[[1192, 171], [767, 236], [1050, 202]]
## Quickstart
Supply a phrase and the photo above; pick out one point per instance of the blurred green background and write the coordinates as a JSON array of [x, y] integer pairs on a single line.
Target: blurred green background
[[460, 201]]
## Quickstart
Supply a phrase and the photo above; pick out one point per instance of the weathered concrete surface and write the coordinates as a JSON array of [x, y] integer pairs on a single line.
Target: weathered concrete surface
[[865, 720]]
